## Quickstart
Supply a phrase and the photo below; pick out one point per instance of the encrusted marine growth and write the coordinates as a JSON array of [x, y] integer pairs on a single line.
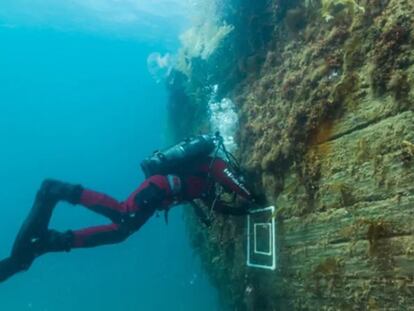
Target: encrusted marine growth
[[330, 8], [323, 91], [389, 59], [407, 154]]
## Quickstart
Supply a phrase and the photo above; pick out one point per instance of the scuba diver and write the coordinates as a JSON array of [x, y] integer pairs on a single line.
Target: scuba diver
[[191, 170]]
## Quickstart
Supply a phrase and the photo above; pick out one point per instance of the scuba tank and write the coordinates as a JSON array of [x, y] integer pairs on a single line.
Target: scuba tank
[[179, 157], [173, 158]]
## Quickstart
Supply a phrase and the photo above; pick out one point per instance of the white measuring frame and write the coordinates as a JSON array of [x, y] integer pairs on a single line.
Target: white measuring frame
[[267, 225], [271, 225]]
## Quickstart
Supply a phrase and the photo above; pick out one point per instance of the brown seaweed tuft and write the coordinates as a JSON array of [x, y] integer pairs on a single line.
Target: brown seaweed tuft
[[388, 52]]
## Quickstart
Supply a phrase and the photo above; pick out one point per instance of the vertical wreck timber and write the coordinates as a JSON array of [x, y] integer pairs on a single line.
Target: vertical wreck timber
[[325, 98]]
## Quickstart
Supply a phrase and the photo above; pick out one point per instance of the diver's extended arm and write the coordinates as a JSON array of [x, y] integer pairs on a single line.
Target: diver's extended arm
[[222, 174]]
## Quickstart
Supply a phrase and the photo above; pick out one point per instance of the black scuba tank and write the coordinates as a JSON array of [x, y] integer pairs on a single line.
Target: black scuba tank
[[169, 160]]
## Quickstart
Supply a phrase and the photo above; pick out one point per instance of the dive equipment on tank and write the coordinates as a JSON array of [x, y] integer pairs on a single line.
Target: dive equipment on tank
[[174, 159], [169, 160]]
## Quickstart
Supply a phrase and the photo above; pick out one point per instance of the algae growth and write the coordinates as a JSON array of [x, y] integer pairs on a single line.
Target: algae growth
[[324, 95]]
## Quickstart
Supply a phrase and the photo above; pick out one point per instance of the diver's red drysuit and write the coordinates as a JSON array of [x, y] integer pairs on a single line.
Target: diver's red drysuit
[[158, 192], [128, 216]]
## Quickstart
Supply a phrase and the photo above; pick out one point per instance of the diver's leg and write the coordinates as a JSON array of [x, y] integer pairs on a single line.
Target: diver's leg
[[100, 235], [112, 233], [34, 234], [103, 204], [125, 221]]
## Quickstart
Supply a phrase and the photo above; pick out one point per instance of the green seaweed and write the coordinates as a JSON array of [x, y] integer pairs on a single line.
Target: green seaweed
[[407, 152], [331, 8]]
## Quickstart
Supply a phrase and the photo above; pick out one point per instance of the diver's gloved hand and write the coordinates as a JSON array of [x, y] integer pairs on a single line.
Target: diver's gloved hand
[[256, 202], [259, 200], [245, 207]]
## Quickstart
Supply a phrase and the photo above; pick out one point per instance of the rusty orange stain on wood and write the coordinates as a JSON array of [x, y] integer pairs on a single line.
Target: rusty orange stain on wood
[[318, 141]]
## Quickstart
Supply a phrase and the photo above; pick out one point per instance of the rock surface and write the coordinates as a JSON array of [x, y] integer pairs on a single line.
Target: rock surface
[[326, 108]]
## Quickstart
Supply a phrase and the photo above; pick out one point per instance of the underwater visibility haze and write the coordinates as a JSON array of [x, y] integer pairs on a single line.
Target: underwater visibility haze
[[314, 101], [77, 103]]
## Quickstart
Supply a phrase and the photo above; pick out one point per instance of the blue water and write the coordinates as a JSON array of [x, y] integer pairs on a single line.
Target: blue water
[[82, 107]]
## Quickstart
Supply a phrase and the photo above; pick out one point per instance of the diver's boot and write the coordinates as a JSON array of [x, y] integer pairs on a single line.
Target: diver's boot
[[25, 252], [58, 241], [34, 236], [8, 268], [52, 241], [53, 191]]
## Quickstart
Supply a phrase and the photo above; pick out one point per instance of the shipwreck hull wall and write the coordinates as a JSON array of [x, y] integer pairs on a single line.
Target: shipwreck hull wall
[[326, 108]]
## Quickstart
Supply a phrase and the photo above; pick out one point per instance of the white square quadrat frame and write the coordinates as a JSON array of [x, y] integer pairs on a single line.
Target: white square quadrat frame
[[271, 227]]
